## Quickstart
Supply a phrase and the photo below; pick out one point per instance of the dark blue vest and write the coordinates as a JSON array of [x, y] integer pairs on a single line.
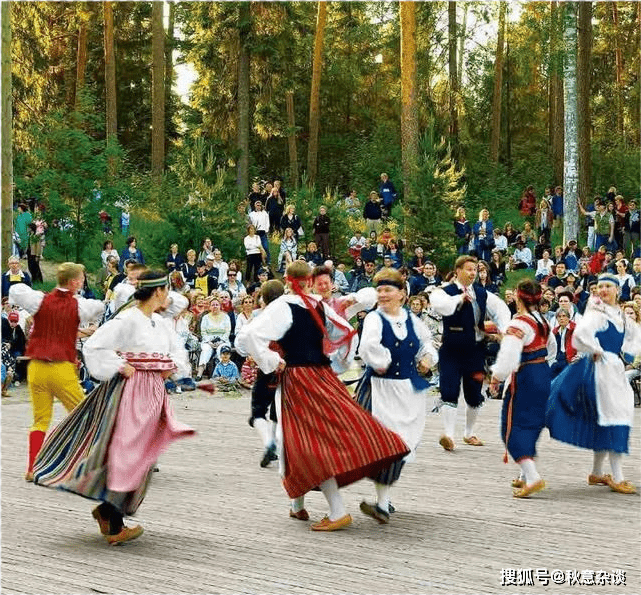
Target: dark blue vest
[[303, 342], [459, 328], [403, 354]]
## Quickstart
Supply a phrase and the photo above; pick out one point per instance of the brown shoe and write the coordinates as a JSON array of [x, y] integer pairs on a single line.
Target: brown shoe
[[126, 534], [446, 442], [623, 487], [595, 480], [518, 483], [301, 515], [327, 525], [473, 441], [527, 490], [103, 523], [28, 476]]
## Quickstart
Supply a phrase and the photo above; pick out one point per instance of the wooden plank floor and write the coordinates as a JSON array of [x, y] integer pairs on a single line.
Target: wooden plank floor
[[215, 522]]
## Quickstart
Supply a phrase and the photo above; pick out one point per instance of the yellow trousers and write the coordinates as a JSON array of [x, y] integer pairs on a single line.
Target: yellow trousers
[[48, 380]]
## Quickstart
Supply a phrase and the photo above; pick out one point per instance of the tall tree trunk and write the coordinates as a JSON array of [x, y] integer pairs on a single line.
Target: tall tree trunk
[[110, 81], [461, 46], [508, 108], [498, 84], [157, 91], [557, 66], [584, 71], [570, 177], [81, 57], [7, 134], [619, 73], [244, 30], [409, 104], [314, 100], [291, 141], [551, 83], [169, 48], [451, 36]]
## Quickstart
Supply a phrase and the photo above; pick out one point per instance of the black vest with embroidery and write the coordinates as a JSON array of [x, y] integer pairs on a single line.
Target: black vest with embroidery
[[303, 342], [459, 329]]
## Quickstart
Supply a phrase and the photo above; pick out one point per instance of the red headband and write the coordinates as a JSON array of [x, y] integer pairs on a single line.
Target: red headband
[[529, 299]]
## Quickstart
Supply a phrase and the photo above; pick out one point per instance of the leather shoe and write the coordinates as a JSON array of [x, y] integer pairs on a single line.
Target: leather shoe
[[595, 480], [103, 523], [446, 442], [623, 487], [527, 490], [269, 455], [518, 483], [327, 525], [126, 534], [473, 441], [375, 511], [28, 476], [301, 515]]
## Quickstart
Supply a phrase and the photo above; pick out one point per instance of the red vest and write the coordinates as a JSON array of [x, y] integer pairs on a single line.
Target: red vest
[[540, 339], [55, 327]]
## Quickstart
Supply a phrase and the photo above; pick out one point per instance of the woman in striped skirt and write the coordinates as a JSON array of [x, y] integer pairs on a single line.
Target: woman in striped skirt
[[106, 448], [396, 346], [326, 440]]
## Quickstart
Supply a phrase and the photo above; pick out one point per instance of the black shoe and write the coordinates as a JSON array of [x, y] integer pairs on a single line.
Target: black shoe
[[375, 511], [269, 455], [391, 508]]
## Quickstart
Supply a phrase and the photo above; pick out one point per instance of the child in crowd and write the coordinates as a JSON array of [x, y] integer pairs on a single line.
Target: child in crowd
[[226, 373]]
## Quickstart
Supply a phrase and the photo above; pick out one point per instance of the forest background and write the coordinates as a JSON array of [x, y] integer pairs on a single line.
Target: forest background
[[323, 95]]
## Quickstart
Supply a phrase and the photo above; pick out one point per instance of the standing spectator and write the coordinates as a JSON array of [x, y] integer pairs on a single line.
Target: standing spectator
[[527, 204], [603, 223], [34, 254], [372, 213], [206, 249], [108, 250], [631, 229], [620, 212], [254, 195], [626, 280], [321, 231], [124, 221], [497, 268], [131, 252], [14, 275], [462, 231], [275, 206], [292, 221], [388, 195], [23, 218], [174, 260], [260, 221], [483, 236], [189, 268], [254, 251], [557, 206], [544, 220], [484, 279]]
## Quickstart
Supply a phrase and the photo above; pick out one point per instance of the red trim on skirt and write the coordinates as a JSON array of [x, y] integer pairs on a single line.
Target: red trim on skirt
[[327, 434]]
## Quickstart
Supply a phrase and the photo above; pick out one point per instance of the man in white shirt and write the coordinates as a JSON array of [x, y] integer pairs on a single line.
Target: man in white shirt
[[522, 257], [260, 220]]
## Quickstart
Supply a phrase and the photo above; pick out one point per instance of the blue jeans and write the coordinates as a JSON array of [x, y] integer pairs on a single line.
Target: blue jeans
[[264, 240]]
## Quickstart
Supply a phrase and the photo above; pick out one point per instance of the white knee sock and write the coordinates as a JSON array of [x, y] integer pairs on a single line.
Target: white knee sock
[[448, 413], [272, 430], [528, 468], [336, 507], [382, 496], [471, 413], [264, 430], [597, 464], [298, 504], [616, 458]]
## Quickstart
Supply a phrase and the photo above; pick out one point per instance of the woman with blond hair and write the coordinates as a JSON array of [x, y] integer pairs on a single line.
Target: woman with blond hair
[[483, 236], [462, 230]]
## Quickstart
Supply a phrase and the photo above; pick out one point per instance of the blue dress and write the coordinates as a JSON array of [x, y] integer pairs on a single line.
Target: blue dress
[[572, 412]]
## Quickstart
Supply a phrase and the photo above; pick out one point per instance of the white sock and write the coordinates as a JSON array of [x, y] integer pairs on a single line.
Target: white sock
[[528, 468], [264, 430], [448, 413], [599, 459], [382, 496], [616, 459], [471, 413], [298, 504], [272, 427], [336, 507]]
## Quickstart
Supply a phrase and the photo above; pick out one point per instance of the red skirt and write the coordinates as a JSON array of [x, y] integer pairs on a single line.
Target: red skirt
[[327, 434]]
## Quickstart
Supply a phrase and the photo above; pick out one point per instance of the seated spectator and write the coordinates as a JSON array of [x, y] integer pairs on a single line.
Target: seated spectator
[[565, 351], [106, 275], [497, 268], [339, 281], [356, 270], [233, 286], [483, 278], [522, 257], [313, 256], [365, 278], [609, 263], [108, 250], [206, 283], [14, 275], [288, 249], [510, 301], [14, 337], [558, 279], [540, 247], [215, 328], [356, 244], [395, 254], [544, 267], [500, 241], [429, 278], [586, 255], [544, 309], [511, 234], [571, 257], [636, 271], [226, 374], [598, 259], [417, 262], [528, 235], [124, 291], [369, 252], [565, 302], [558, 254], [222, 266]]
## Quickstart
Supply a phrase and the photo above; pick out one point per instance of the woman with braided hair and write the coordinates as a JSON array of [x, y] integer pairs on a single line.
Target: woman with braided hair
[[526, 348]]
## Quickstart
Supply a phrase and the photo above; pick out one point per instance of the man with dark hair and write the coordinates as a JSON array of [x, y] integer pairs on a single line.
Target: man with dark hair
[[464, 305], [558, 279]]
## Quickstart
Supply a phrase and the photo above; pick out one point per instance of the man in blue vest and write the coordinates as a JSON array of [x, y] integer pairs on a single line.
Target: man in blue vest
[[464, 306]]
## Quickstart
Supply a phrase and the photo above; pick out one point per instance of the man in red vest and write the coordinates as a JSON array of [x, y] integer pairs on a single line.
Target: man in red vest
[[52, 371]]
